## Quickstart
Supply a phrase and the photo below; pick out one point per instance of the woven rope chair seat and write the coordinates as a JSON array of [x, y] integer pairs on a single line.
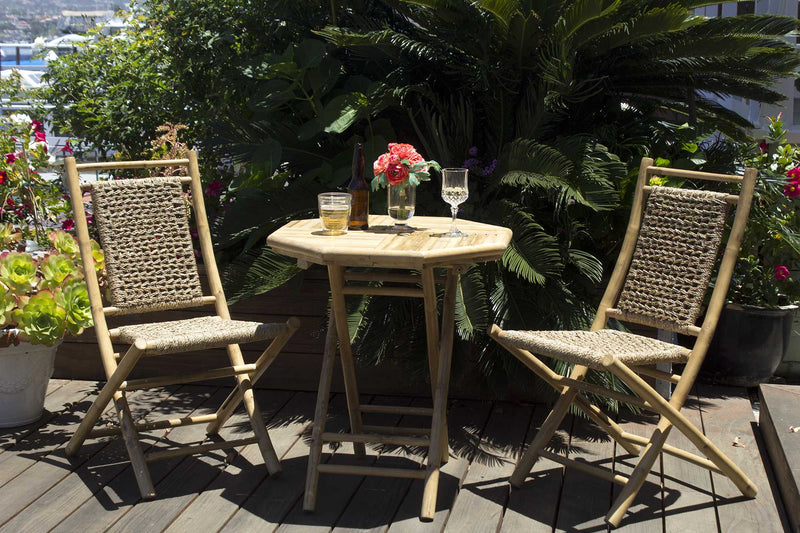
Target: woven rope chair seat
[[197, 333], [589, 347]]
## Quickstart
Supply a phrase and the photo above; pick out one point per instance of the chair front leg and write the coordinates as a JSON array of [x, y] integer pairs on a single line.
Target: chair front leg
[[543, 436], [111, 387], [131, 439]]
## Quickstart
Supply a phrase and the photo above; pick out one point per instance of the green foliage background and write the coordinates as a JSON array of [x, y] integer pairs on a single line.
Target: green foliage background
[[566, 96]]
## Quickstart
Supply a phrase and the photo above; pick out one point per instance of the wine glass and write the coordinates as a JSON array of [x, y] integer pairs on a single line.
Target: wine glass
[[454, 192]]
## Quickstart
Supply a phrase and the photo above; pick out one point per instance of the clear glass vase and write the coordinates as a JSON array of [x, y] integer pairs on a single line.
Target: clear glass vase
[[402, 199]]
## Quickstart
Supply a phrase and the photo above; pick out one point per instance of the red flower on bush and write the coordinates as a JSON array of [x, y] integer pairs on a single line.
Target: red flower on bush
[[214, 188], [792, 187], [67, 224], [67, 149], [763, 147], [781, 273], [39, 137], [37, 126], [11, 157], [3, 176]]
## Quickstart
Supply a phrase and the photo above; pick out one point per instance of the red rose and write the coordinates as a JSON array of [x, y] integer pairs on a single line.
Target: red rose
[[396, 174], [402, 151], [379, 166]]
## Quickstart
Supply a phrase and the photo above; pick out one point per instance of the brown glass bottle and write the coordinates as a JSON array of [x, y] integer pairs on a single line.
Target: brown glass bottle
[[359, 188]]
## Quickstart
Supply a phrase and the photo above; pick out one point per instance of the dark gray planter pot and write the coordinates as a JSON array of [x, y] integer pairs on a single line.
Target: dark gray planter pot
[[748, 345]]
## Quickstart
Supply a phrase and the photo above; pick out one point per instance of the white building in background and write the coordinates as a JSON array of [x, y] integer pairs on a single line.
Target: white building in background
[[754, 111]]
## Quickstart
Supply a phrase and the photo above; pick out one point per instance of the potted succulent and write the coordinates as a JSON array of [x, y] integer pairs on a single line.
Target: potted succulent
[[43, 295], [755, 325]]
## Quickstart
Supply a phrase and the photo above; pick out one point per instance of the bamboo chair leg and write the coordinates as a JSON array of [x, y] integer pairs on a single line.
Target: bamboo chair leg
[[543, 436], [639, 474], [667, 410], [131, 439], [336, 279], [550, 377], [262, 364], [430, 492], [260, 431], [432, 335], [320, 417], [111, 387]]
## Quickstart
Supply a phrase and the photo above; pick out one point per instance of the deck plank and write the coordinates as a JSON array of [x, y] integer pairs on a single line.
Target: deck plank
[[726, 414], [466, 421], [52, 488], [688, 493], [195, 472], [585, 499], [60, 403], [212, 508], [336, 490], [273, 499], [120, 493], [484, 493], [533, 507]]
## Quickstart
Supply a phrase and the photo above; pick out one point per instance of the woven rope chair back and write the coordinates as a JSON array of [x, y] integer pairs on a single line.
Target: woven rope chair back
[[144, 231], [674, 258]]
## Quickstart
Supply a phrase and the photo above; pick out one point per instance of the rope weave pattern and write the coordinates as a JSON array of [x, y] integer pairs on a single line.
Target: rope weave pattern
[[201, 332], [674, 257], [144, 232], [589, 347]]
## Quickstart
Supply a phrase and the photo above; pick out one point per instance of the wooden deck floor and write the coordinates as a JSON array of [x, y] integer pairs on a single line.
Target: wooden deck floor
[[42, 490]]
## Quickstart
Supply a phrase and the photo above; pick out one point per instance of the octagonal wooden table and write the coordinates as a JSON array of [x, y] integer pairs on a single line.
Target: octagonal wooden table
[[402, 264]]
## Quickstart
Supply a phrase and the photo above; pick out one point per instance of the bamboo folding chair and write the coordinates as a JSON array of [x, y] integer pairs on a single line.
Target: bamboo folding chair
[[143, 225], [660, 279]]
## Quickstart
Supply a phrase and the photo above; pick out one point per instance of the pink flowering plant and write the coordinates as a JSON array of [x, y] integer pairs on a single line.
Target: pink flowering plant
[[768, 271], [29, 201], [42, 293], [402, 165]]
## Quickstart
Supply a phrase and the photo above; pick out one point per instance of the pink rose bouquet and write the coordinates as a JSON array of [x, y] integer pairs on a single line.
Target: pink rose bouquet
[[401, 165]]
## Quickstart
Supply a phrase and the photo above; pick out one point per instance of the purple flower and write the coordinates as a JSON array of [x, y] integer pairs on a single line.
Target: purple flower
[[490, 168], [473, 151], [471, 162]]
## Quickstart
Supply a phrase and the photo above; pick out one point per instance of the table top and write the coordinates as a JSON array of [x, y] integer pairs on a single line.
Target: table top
[[380, 246]]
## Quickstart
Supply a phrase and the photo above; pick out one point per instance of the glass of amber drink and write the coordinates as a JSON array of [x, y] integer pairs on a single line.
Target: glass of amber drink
[[334, 211]]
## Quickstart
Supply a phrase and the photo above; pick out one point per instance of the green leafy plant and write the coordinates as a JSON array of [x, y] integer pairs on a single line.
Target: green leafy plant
[[44, 295]]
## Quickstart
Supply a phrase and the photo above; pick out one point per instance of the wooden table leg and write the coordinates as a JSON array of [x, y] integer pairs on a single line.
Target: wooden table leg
[[440, 398], [432, 333], [336, 278], [320, 416]]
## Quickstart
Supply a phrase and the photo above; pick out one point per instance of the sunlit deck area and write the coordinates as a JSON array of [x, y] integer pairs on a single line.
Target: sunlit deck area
[[42, 490]]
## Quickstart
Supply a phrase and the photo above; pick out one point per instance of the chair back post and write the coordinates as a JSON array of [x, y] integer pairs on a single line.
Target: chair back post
[[626, 252], [90, 276], [728, 263], [204, 236]]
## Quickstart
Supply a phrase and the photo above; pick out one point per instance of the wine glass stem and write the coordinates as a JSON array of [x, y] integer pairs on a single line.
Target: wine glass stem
[[454, 212]]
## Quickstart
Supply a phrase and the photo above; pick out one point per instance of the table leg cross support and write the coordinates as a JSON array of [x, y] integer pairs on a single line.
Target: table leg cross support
[[440, 352]]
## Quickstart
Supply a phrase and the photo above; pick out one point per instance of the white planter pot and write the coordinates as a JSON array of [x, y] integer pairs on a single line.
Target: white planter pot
[[25, 371]]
